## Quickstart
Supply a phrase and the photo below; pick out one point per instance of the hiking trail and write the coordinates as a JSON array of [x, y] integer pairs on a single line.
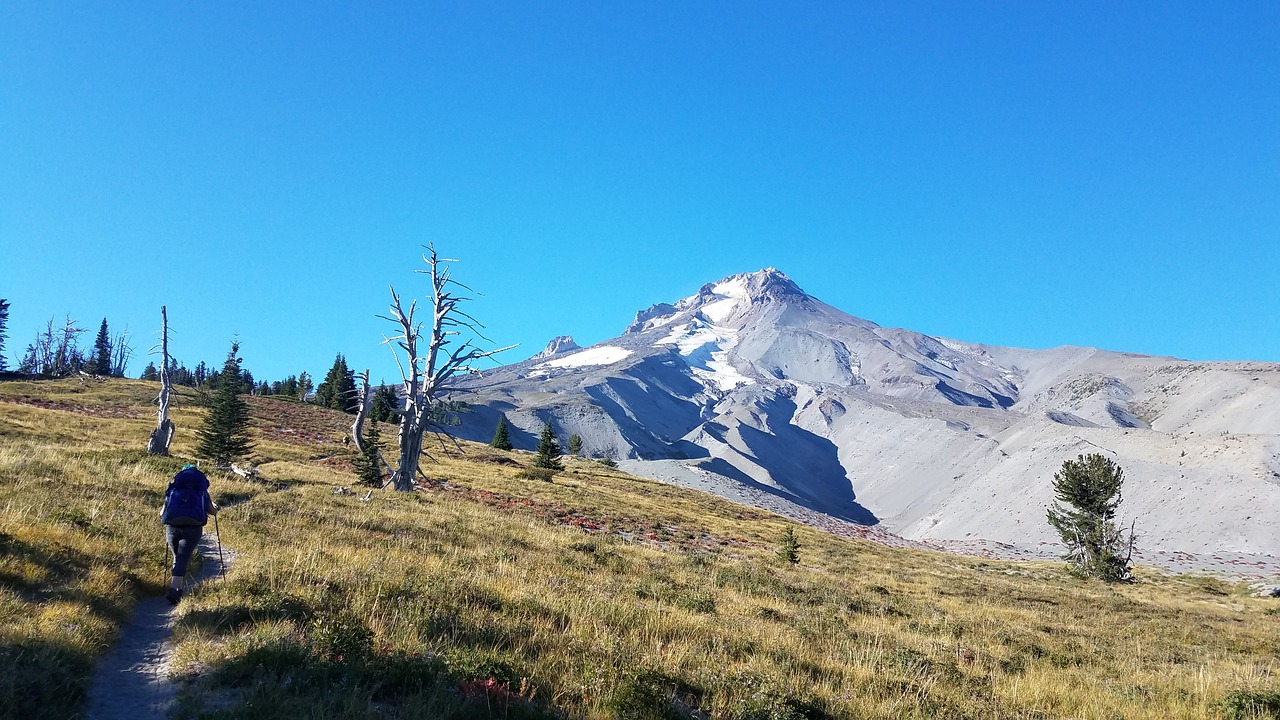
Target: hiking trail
[[132, 681]]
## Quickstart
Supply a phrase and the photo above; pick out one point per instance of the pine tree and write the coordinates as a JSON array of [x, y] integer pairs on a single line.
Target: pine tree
[[548, 449], [4, 323], [100, 358], [1087, 494], [575, 444], [225, 435], [368, 466], [150, 372], [386, 403], [501, 436], [338, 390], [790, 546], [304, 386]]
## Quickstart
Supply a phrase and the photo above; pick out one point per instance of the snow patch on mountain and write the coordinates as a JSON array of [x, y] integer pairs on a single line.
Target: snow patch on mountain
[[706, 349], [603, 355]]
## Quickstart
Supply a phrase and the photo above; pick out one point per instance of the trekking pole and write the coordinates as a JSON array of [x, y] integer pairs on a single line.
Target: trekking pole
[[217, 532]]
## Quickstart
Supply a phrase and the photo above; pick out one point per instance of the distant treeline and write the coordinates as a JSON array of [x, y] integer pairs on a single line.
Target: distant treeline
[[56, 352]]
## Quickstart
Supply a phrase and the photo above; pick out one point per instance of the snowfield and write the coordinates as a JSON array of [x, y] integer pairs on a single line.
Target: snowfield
[[603, 355]]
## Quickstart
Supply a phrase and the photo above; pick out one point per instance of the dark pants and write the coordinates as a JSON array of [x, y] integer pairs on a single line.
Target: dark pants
[[182, 542]]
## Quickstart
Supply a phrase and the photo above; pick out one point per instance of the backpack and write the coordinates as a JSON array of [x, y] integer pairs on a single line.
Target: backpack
[[184, 499]]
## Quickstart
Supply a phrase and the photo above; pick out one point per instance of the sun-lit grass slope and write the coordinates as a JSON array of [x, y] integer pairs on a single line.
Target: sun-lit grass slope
[[597, 595]]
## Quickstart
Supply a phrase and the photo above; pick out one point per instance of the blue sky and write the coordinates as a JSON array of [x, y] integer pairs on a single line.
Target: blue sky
[[1028, 174]]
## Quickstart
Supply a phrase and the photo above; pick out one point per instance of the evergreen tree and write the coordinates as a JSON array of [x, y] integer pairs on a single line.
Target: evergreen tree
[[346, 399], [30, 364], [304, 386], [501, 436], [4, 323], [1087, 493], [368, 466], [150, 372], [548, 449], [99, 362], [386, 404], [790, 546], [225, 435], [575, 444], [338, 390]]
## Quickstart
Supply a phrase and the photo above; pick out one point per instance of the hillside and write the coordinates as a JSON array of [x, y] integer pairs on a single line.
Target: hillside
[[752, 389], [598, 595]]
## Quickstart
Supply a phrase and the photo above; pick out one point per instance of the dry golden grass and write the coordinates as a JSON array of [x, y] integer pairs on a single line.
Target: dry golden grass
[[598, 594]]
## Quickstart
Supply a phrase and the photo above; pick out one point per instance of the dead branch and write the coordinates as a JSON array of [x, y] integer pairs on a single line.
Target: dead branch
[[162, 436]]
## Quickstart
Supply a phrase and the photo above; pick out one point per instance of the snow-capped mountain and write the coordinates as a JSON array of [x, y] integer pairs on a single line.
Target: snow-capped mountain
[[751, 385]]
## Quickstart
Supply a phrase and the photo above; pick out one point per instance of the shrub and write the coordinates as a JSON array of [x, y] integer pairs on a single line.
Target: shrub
[[699, 602], [340, 636], [642, 696], [466, 665], [1250, 705], [607, 462], [536, 473]]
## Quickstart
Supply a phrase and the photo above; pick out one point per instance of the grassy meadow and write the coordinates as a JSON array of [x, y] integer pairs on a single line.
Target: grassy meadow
[[597, 595]]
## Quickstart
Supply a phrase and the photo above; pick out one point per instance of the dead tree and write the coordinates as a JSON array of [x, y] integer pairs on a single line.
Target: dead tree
[[121, 353], [158, 444], [364, 401], [425, 375]]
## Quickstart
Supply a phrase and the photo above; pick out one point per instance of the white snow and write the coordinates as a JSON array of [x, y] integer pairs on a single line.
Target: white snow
[[736, 289], [603, 355], [720, 310], [706, 348], [722, 375], [733, 291]]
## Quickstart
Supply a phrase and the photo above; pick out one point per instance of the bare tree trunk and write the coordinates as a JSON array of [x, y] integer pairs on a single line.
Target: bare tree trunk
[[362, 416], [425, 376], [158, 444], [362, 412]]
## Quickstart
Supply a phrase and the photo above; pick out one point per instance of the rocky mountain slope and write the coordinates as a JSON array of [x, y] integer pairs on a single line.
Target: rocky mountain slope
[[753, 389]]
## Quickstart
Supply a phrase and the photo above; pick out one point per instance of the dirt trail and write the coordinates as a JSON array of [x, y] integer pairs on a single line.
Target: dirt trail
[[132, 682]]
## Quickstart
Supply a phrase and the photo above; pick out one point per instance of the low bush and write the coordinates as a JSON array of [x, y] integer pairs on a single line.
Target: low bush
[[1250, 705], [543, 474]]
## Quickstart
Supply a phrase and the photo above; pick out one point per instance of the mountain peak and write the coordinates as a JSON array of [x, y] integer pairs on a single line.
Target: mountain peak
[[559, 344], [761, 285], [718, 299]]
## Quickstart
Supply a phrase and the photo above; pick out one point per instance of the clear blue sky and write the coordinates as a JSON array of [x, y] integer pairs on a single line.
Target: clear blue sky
[[1028, 174]]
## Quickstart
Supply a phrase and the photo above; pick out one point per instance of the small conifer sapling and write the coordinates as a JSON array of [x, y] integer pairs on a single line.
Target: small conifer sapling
[[368, 464], [225, 435], [789, 546], [575, 444], [548, 449], [501, 435]]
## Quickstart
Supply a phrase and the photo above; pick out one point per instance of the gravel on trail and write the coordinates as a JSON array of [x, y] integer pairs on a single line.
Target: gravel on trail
[[132, 681]]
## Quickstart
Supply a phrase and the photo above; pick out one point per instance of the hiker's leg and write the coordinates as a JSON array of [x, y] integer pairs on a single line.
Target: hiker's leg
[[182, 541]]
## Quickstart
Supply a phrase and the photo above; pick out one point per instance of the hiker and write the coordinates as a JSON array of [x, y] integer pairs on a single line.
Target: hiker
[[187, 507]]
